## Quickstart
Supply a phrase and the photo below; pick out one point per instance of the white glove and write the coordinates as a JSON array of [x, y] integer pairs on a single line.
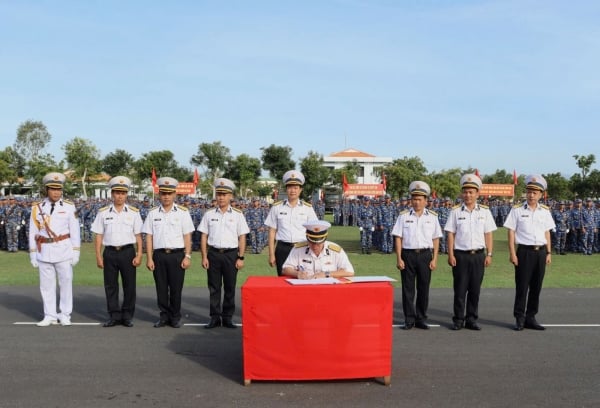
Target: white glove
[[372, 229], [360, 229], [567, 231], [75, 258], [18, 227], [33, 259]]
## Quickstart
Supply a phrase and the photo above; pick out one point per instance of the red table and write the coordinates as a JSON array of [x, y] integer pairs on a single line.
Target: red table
[[316, 332]]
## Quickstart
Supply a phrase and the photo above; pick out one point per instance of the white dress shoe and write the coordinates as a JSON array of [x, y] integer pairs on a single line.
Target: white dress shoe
[[65, 321], [46, 322]]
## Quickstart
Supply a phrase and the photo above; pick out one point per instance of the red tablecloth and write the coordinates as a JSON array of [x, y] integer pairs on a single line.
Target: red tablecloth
[[316, 332]]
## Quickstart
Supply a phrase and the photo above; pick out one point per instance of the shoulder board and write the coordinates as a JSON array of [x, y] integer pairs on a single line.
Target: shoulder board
[[544, 206], [484, 206], [457, 206], [300, 244], [404, 211], [68, 201], [104, 208], [35, 203], [134, 209], [335, 247], [306, 203], [236, 210], [433, 212], [278, 202], [153, 208], [518, 205], [182, 208]]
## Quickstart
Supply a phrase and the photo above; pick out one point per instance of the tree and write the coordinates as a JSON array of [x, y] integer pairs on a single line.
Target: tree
[[558, 186], [401, 172], [117, 163], [82, 156], [164, 164], [277, 160], [243, 171], [214, 157], [8, 173], [446, 183], [315, 174], [351, 169], [32, 139], [584, 163]]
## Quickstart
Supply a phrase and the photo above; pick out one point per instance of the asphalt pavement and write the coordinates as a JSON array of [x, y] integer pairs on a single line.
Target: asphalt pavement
[[86, 365]]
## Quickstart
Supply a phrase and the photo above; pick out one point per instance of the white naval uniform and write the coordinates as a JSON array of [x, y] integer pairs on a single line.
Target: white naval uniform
[[54, 258], [288, 220], [331, 258]]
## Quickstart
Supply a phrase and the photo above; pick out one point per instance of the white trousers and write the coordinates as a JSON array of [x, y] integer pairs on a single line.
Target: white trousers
[[48, 274]]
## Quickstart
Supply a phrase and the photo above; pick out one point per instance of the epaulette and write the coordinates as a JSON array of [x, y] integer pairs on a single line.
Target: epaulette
[[182, 208], [484, 206], [404, 211], [153, 208], [300, 244], [457, 206], [236, 210], [544, 206], [518, 205], [334, 247], [68, 201], [134, 209], [433, 212], [277, 202], [306, 203], [104, 208]]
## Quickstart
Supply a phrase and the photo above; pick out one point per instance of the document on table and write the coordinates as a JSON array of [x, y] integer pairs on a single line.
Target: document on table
[[319, 281], [356, 279]]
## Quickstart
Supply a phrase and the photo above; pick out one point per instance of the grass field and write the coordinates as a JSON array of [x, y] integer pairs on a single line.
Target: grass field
[[570, 271]]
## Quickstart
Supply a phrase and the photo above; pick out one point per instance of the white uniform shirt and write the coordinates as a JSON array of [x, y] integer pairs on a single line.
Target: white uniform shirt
[[470, 227], [117, 228], [331, 258], [417, 232], [530, 225], [168, 228], [62, 221], [223, 228], [288, 220]]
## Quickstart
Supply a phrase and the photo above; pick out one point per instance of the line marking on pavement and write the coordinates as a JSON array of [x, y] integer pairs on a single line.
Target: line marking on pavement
[[58, 324]]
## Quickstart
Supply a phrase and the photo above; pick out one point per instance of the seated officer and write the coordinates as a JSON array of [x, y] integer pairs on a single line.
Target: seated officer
[[317, 257]]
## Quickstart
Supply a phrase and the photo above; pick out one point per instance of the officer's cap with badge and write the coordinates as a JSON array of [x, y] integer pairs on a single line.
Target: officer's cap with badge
[[54, 180], [316, 230], [419, 188], [535, 182], [223, 185], [119, 183], [293, 178], [167, 184], [470, 181]]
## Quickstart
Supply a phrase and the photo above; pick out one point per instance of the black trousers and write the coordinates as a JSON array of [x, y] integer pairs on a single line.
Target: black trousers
[[168, 279], [416, 270], [529, 275], [222, 273], [468, 276], [119, 263], [282, 250]]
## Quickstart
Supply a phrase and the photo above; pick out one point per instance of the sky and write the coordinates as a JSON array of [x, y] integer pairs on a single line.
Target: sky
[[507, 84]]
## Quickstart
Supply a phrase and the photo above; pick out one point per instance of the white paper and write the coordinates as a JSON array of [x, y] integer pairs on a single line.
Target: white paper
[[356, 279], [319, 281]]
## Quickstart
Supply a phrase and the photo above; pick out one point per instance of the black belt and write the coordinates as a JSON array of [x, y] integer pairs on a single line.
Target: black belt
[[417, 251], [469, 251], [533, 247], [222, 250], [287, 244], [119, 248], [169, 250]]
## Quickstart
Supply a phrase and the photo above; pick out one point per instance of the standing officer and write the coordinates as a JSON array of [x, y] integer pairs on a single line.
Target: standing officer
[[417, 235], [118, 227], [589, 226], [223, 244], [13, 216], [285, 220], [529, 226], [168, 228], [470, 227], [561, 219], [255, 217], [367, 219], [54, 244]]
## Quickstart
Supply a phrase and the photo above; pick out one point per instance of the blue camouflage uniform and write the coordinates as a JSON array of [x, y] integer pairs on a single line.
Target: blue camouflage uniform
[[255, 218], [386, 220], [561, 219], [576, 222], [589, 227], [13, 217], [366, 220]]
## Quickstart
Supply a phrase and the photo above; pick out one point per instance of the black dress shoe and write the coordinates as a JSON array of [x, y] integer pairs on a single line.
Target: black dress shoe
[[229, 324], [422, 325], [127, 323], [111, 323], [533, 324], [408, 326], [160, 323], [214, 322], [176, 324], [472, 326], [519, 325], [456, 326]]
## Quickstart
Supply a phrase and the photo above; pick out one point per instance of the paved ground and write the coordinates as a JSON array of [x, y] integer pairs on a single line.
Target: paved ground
[[90, 366]]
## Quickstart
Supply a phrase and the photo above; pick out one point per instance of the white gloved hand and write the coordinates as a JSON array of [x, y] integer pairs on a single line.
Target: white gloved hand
[[372, 229], [75, 258], [567, 231], [360, 229], [33, 259]]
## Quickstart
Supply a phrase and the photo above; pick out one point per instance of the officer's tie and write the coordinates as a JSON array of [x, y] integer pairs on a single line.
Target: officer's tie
[[51, 208]]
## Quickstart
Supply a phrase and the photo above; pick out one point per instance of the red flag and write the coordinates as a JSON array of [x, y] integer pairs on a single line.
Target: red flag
[[477, 173], [153, 177], [515, 179], [434, 195], [344, 182], [384, 182], [196, 177]]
